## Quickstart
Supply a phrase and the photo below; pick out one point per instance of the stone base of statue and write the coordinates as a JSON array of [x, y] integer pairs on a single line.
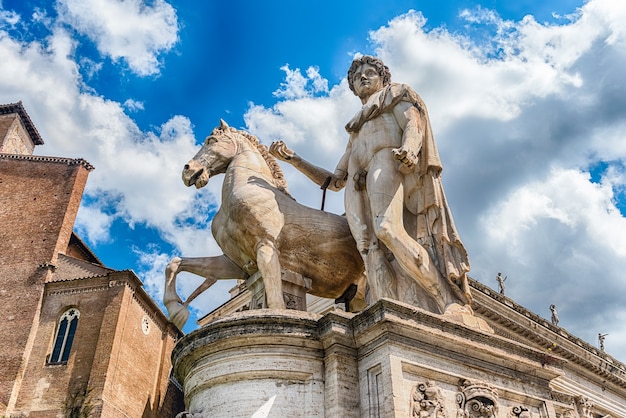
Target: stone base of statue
[[294, 287], [391, 360]]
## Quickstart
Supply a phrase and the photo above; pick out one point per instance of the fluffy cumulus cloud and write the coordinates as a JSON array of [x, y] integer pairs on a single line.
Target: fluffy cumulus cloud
[[134, 31], [8, 18], [297, 85], [529, 121]]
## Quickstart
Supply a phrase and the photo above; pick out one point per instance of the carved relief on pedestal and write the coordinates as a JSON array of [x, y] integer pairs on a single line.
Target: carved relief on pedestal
[[426, 401], [293, 302], [520, 412], [477, 400], [584, 406]]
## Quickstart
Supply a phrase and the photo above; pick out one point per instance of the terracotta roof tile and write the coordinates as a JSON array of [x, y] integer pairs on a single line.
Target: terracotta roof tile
[[69, 268]]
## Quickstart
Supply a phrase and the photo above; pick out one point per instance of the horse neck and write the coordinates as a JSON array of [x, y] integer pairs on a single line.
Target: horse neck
[[248, 161]]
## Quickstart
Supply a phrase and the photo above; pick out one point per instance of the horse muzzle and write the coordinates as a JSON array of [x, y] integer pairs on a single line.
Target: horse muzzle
[[195, 175]]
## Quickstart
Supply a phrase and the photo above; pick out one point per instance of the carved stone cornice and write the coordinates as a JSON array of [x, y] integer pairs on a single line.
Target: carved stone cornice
[[525, 326], [57, 160]]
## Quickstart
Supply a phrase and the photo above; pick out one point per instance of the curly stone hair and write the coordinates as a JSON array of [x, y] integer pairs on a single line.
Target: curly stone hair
[[381, 68]]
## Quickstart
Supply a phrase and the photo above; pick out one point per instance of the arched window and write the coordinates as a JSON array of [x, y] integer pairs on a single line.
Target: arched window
[[64, 336]]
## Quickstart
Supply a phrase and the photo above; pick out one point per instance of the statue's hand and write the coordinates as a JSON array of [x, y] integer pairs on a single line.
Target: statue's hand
[[407, 157], [340, 176], [280, 150]]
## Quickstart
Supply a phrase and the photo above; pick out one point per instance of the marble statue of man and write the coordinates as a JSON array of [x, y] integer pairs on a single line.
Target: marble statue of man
[[394, 199]]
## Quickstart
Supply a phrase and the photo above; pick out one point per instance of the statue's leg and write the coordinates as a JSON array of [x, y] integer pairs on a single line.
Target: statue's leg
[[269, 267], [211, 268], [386, 197], [380, 274]]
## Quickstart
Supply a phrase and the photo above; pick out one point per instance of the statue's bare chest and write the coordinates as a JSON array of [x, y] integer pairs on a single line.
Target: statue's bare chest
[[377, 134]]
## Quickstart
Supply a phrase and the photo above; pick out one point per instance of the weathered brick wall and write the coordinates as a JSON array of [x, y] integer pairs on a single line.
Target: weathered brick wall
[[38, 205], [139, 368], [6, 121], [125, 369], [39, 200], [46, 388]]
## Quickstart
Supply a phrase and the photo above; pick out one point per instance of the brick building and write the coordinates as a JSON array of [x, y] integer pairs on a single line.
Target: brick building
[[75, 335]]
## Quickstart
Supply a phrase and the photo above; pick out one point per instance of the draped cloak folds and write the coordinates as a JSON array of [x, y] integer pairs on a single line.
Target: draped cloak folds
[[428, 219]]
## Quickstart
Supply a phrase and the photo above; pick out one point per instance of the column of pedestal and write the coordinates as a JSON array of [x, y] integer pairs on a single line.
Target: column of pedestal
[[341, 372]]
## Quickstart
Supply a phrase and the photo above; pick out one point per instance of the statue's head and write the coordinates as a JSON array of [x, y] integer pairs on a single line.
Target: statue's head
[[383, 70]]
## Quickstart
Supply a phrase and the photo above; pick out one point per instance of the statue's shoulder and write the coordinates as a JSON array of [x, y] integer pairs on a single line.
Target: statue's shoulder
[[398, 92], [405, 93]]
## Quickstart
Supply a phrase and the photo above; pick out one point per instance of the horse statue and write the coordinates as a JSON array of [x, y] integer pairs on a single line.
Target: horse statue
[[260, 227]]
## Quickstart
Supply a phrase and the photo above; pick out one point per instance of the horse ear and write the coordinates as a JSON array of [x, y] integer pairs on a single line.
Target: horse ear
[[223, 124]]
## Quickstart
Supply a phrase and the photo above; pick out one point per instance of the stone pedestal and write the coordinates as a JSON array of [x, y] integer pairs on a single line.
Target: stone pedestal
[[294, 290], [253, 361], [391, 360]]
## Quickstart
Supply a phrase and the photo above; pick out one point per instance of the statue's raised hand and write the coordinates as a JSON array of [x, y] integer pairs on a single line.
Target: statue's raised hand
[[407, 157], [281, 151]]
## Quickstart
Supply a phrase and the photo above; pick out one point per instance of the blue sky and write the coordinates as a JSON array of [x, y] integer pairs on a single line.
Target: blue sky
[[526, 98]]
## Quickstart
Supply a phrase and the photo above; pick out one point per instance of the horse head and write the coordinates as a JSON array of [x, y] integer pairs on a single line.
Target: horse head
[[213, 158]]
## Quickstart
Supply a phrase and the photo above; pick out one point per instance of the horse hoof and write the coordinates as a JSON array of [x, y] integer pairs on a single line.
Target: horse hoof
[[179, 316]]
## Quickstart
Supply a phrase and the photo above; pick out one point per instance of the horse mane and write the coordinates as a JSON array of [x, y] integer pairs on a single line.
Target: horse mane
[[278, 176]]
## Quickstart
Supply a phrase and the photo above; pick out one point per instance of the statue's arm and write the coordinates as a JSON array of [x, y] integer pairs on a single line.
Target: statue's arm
[[410, 122], [340, 176], [317, 174]]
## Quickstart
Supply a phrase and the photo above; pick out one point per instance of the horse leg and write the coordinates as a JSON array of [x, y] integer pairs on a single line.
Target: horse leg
[[170, 297], [177, 313], [269, 267], [211, 268]]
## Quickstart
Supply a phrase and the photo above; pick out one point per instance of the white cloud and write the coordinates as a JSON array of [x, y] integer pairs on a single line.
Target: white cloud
[[466, 79], [320, 84], [90, 67], [133, 105], [134, 31], [93, 224], [298, 86], [8, 18], [566, 196]]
